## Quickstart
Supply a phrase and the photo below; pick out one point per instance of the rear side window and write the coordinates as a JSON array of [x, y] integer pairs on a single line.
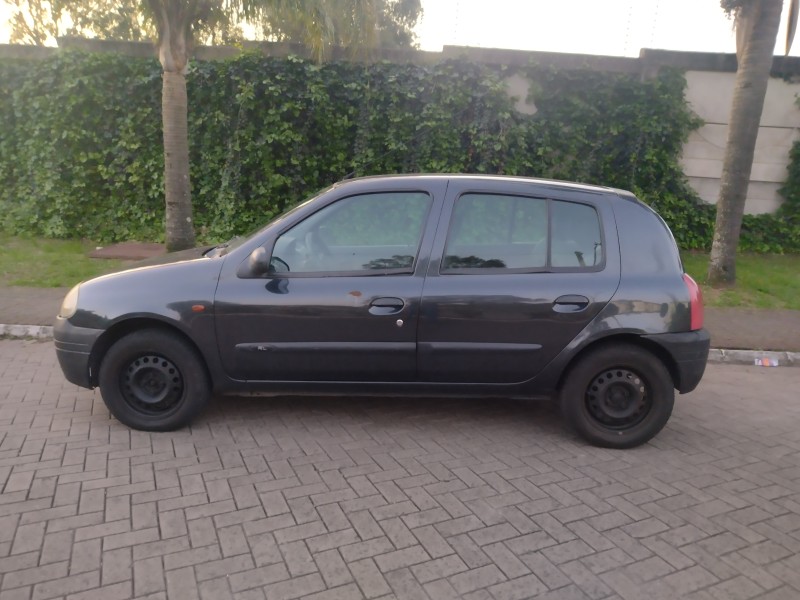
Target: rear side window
[[500, 233], [575, 235]]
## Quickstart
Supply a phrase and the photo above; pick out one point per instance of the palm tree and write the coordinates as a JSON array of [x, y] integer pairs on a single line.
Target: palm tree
[[33, 21], [318, 23], [177, 20], [756, 23]]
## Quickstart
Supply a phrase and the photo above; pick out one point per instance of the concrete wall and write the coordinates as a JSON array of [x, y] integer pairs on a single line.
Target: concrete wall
[[711, 79], [710, 95]]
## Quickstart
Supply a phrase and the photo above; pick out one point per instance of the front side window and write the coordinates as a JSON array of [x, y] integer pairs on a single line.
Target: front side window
[[500, 232], [362, 234]]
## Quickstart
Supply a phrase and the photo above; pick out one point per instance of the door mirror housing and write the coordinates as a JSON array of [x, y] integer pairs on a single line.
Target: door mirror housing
[[258, 262]]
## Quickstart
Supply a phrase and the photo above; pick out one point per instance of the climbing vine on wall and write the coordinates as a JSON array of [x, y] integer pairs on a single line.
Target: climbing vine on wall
[[81, 154]]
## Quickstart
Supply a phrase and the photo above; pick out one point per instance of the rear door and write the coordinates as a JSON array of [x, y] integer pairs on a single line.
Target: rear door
[[517, 271]]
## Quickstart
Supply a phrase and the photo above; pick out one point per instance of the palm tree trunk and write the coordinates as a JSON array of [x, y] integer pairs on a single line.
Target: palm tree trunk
[[752, 77], [174, 23], [174, 111]]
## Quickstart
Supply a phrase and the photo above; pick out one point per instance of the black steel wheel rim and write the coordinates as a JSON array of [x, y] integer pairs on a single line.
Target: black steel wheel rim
[[618, 398], [152, 384]]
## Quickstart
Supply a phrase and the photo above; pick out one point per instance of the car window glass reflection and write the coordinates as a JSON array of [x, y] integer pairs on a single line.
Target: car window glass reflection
[[365, 233], [495, 231], [576, 236]]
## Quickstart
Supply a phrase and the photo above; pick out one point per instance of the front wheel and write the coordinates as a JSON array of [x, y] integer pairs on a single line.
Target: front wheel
[[153, 380], [618, 396]]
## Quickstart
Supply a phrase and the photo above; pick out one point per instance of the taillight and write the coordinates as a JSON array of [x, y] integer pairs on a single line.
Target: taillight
[[695, 302]]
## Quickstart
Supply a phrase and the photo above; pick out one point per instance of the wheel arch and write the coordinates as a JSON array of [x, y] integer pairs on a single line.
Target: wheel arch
[[627, 339], [122, 328]]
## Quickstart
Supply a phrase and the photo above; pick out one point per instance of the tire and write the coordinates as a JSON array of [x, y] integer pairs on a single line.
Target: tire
[[618, 396], [154, 381]]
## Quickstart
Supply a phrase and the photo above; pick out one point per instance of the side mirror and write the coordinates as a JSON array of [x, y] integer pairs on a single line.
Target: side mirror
[[258, 261]]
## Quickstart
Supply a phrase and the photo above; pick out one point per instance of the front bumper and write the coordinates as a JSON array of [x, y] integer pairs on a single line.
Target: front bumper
[[73, 350], [689, 353]]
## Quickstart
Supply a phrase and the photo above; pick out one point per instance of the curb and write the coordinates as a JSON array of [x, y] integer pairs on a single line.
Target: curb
[[763, 358], [766, 358], [40, 332]]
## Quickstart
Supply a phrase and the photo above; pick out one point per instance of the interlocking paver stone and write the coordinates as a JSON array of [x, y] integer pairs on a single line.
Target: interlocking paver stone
[[407, 498]]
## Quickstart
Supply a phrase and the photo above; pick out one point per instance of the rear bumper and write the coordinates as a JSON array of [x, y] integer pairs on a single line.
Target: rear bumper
[[689, 353], [73, 350]]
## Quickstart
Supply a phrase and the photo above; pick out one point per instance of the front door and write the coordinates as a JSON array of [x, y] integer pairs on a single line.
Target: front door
[[518, 275], [341, 301]]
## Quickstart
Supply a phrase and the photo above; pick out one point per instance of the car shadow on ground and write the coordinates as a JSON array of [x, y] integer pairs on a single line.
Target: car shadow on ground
[[482, 418]]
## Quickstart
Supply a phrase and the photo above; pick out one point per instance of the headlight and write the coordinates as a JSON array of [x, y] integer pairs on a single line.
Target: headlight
[[70, 303]]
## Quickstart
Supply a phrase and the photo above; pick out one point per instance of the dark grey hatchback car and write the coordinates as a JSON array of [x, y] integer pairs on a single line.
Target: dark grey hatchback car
[[423, 284]]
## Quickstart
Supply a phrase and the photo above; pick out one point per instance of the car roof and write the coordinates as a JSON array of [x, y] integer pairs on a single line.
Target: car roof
[[478, 177]]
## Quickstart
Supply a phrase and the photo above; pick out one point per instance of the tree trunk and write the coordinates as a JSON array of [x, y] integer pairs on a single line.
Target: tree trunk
[[174, 111], [752, 77]]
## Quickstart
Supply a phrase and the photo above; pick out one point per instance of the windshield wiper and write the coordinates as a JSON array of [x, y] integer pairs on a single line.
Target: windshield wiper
[[221, 249]]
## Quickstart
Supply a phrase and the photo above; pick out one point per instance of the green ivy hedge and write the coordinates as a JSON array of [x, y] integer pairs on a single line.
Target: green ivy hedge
[[81, 154], [788, 214]]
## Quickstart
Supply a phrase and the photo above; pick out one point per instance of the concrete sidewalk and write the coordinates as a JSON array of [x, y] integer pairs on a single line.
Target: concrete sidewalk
[[30, 306], [731, 328]]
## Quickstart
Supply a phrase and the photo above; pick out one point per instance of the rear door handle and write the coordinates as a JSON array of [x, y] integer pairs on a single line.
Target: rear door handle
[[386, 306], [570, 303]]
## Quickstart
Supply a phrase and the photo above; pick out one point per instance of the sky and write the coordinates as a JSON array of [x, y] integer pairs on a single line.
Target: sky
[[5, 13], [612, 27]]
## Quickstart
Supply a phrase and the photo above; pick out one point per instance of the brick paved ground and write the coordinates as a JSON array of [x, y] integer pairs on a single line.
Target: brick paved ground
[[346, 499]]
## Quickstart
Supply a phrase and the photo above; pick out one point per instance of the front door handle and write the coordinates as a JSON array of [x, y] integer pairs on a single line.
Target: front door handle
[[570, 303], [386, 306]]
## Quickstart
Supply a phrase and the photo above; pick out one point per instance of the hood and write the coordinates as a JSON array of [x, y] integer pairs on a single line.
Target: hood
[[164, 259], [171, 257]]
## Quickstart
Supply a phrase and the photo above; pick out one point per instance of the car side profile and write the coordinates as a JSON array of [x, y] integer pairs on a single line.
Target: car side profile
[[434, 285]]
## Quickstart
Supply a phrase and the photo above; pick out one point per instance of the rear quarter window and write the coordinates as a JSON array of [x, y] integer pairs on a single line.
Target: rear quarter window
[[646, 243]]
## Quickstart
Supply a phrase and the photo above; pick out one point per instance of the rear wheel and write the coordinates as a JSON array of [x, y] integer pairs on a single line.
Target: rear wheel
[[618, 396], [153, 380]]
